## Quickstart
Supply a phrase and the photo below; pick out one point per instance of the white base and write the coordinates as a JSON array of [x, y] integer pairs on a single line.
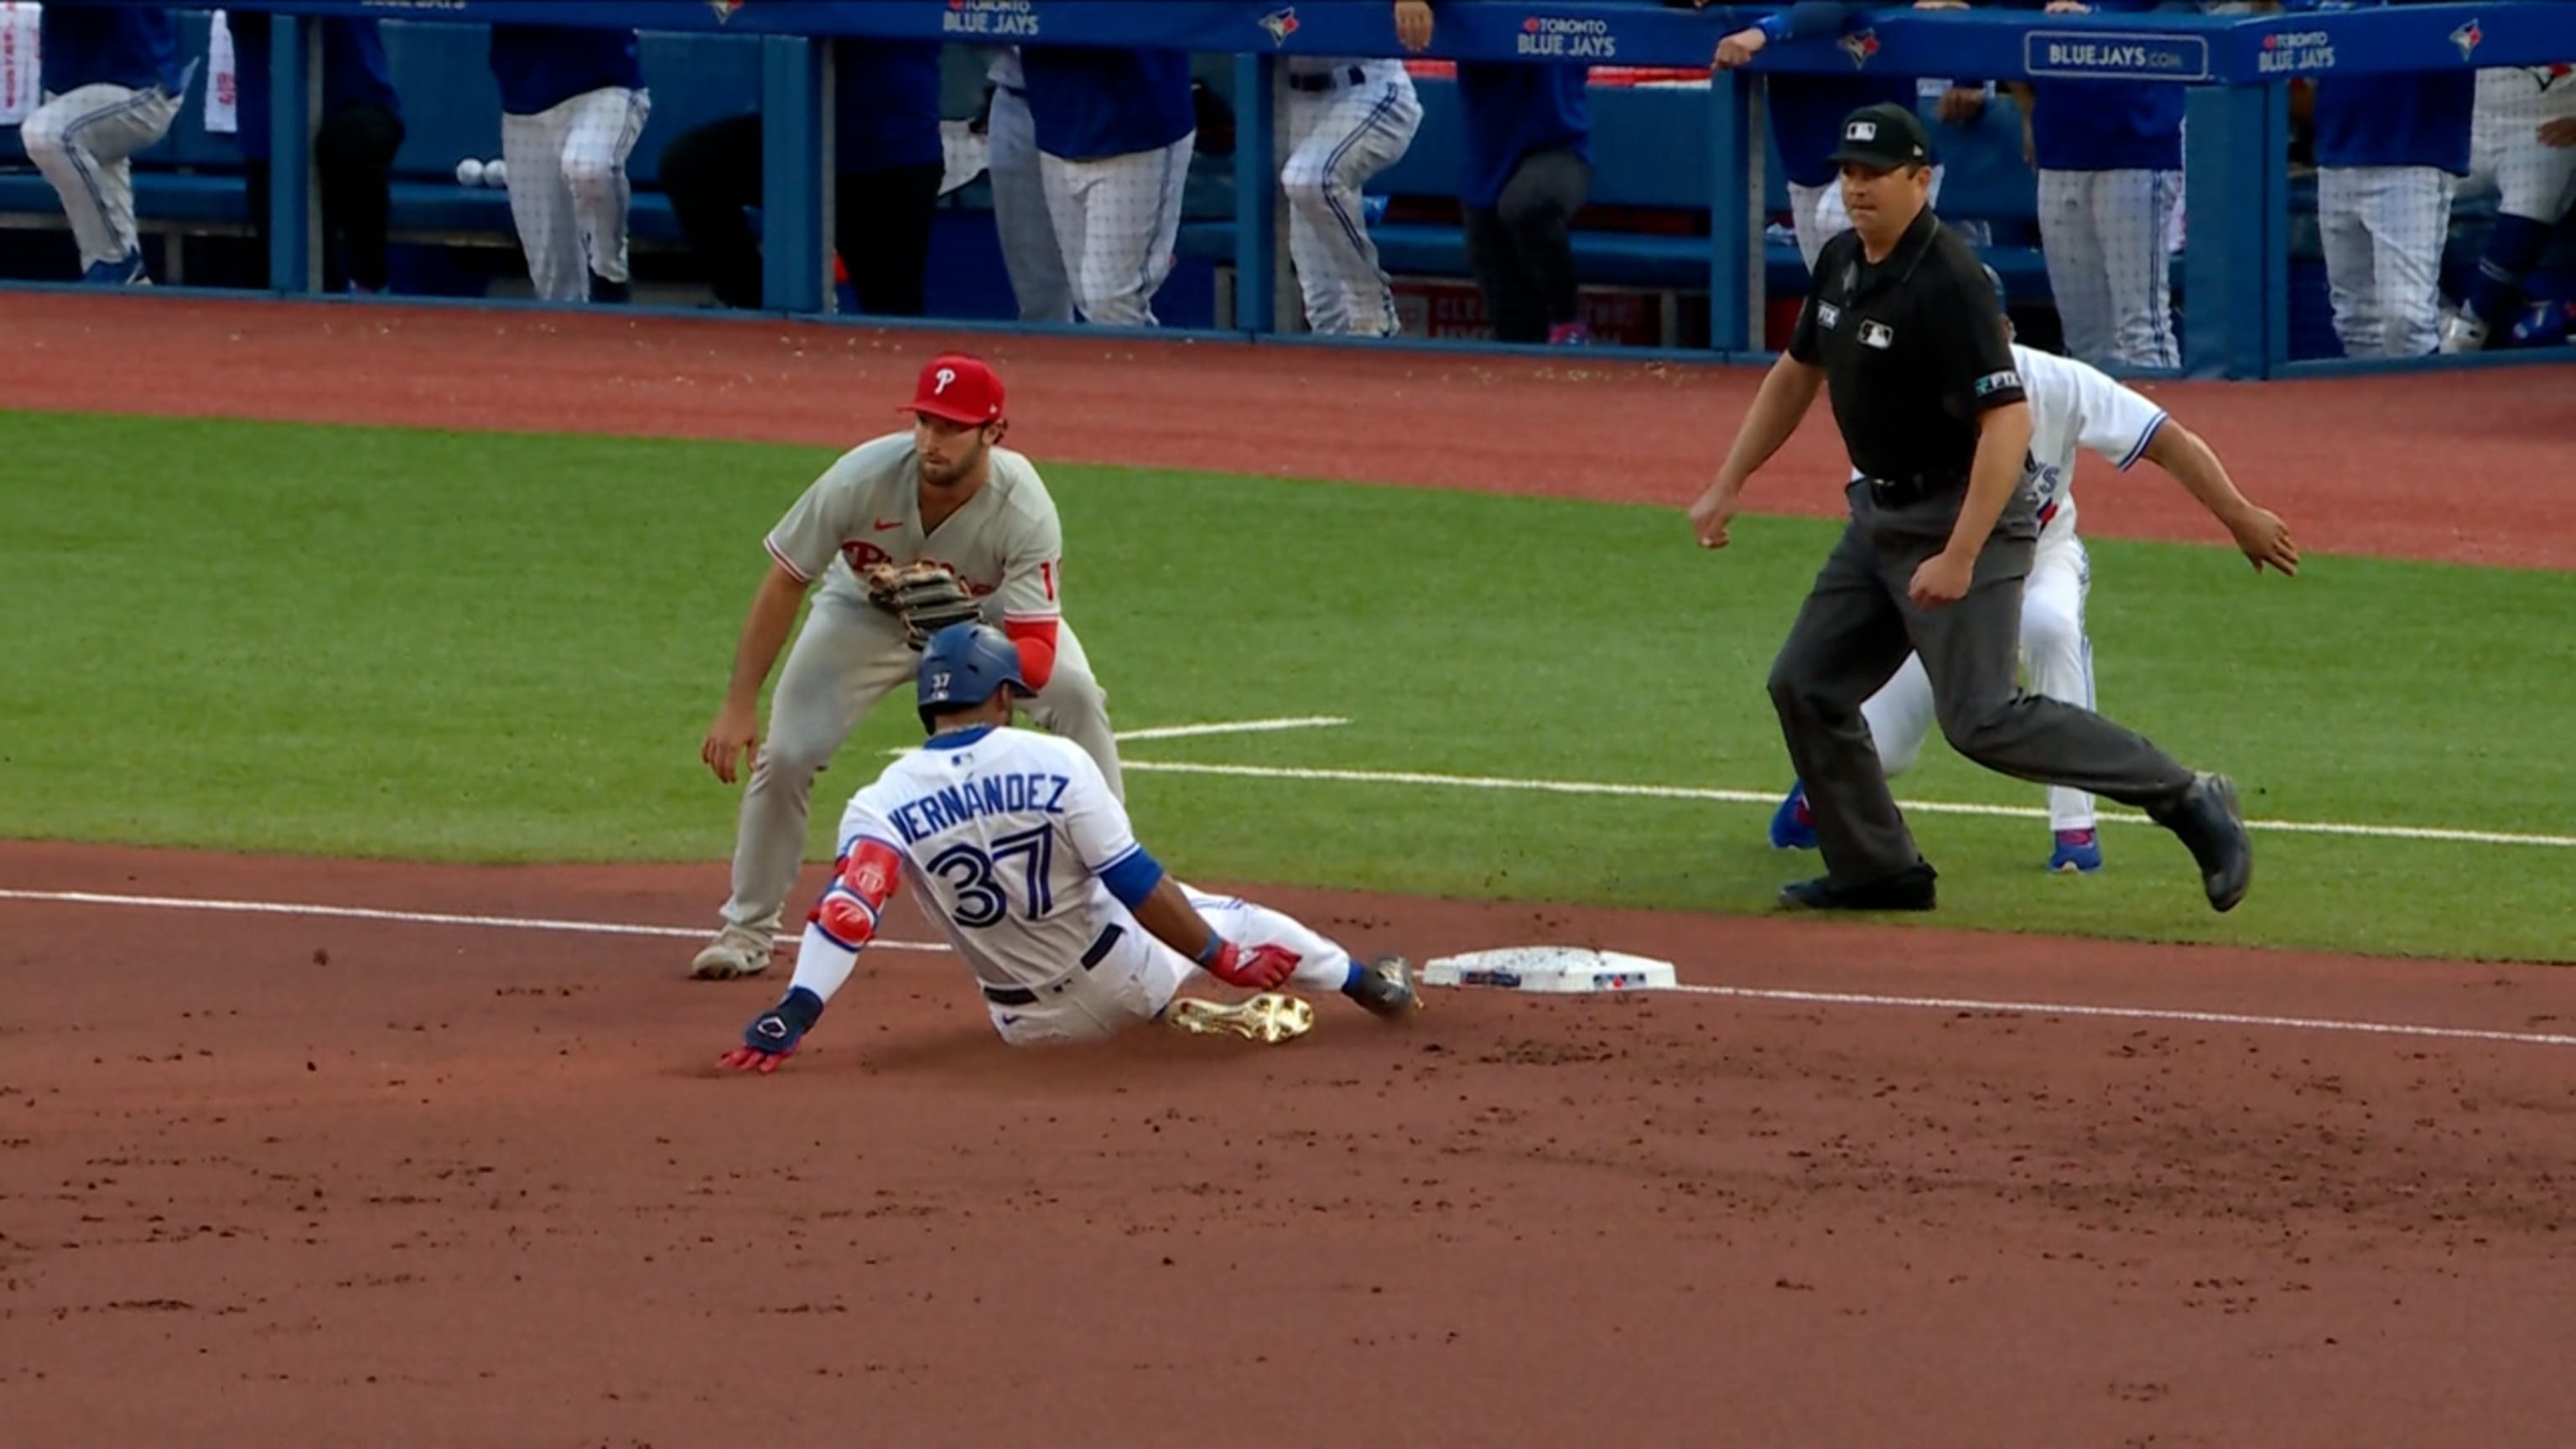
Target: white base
[[1550, 968]]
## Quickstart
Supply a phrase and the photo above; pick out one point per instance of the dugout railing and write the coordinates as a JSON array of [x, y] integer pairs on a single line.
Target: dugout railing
[[2246, 278]]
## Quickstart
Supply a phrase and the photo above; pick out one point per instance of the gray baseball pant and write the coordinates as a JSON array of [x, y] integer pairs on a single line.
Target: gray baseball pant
[[1857, 627]]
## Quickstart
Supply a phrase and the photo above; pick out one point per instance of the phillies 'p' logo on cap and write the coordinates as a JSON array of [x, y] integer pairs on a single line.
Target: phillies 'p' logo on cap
[[958, 387]]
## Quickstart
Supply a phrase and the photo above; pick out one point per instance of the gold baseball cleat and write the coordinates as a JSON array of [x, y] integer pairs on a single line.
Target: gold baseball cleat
[[1270, 1017]]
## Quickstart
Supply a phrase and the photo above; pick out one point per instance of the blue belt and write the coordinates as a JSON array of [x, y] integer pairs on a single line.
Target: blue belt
[[1327, 79], [1022, 996]]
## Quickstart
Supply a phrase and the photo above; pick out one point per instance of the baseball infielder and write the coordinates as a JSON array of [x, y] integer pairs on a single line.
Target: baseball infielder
[[2072, 405], [113, 82], [1031, 255], [1342, 120], [572, 105], [1016, 845], [946, 493], [2522, 146]]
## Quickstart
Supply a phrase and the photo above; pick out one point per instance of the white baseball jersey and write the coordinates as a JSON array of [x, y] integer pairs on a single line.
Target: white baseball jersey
[[2076, 405], [1006, 543], [1004, 835]]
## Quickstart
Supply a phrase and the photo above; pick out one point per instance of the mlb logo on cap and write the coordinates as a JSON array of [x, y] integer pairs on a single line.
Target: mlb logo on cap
[[1883, 137], [1861, 131], [959, 388]]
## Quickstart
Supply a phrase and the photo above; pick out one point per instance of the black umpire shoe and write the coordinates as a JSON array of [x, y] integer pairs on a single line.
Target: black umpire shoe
[[2208, 819], [1909, 889]]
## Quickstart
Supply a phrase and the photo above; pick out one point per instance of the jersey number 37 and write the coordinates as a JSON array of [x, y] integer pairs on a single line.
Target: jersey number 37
[[981, 898]]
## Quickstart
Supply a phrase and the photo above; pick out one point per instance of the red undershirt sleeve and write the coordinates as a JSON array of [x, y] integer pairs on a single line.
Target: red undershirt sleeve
[[1036, 641]]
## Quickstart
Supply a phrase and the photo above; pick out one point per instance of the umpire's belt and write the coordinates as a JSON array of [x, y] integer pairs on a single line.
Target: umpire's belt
[[1023, 996], [1340, 75], [1914, 488]]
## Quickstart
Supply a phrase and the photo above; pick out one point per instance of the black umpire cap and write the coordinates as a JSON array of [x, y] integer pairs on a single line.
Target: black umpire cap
[[1883, 137]]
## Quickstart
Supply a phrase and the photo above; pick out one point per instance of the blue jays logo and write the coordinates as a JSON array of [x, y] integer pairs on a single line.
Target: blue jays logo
[[1281, 24], [1860, 45], [2467, 38], [724, 9]]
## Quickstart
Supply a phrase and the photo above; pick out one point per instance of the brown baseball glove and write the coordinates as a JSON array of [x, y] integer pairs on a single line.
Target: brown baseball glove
[[924, 595]]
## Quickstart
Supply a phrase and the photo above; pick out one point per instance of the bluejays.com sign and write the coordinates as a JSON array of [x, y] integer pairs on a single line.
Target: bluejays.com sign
[[2103, 55], [1554, 37]]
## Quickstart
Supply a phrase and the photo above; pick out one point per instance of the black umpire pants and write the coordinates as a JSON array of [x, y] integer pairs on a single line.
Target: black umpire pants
[[1519, 248], [880, 218], [1854, 632], [353, 166]]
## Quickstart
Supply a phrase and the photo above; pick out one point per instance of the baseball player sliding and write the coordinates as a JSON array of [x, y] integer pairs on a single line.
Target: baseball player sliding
[[910, 532], [1016, 845], [2072, 405]]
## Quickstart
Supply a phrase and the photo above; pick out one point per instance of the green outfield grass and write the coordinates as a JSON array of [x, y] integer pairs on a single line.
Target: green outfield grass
[[350, 641]]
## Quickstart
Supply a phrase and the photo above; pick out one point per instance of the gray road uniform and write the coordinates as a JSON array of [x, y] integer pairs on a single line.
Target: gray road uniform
[[1008, 547]]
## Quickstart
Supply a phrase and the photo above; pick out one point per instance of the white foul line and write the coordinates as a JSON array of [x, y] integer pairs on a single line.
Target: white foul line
[[1745, 993], [2135, 1013], [413, 918], [1235, 727], [1756, 797], [1215, 727]]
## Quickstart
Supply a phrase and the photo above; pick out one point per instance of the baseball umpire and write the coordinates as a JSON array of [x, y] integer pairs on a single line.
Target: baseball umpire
[[1902, 329]]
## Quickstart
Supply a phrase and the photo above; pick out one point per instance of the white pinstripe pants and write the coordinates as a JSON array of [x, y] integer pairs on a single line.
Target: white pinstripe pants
[[1335, 141], [80, 140], [2105, 236], [1117, 220], [568, 189]]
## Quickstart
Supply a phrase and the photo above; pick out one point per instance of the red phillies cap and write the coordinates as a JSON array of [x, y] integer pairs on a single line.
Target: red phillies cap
[[959, 388]]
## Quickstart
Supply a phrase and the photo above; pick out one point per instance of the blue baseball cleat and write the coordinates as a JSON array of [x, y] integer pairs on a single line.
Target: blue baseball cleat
[[2079, 852], [126, 271], [1792, 826]]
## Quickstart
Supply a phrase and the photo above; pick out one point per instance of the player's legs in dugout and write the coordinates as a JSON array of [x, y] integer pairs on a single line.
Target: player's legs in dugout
[[1337, 140], [1032, 253], [541, 205], [848, 656], [600, 136], [80, 141], [1075, 705]]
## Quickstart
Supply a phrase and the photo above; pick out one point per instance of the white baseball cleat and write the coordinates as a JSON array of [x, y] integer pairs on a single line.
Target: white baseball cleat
[[2463, 332], [733, 954]]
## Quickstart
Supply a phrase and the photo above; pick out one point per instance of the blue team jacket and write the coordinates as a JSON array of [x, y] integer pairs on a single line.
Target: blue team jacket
[[354, 73], [885, 105], [1509, 110], [540, 67], [136, 46], [2418, 118], [1088, 104]]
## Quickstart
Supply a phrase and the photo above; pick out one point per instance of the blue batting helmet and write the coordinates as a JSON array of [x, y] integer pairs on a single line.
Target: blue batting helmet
[[962, 665]]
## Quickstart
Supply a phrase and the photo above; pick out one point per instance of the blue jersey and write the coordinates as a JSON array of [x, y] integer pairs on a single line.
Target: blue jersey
[[354, 73], [135, 46], [1511, 110], [2414, 118], [540, 67], [885, 105], [1089, 104], [2078, 125]]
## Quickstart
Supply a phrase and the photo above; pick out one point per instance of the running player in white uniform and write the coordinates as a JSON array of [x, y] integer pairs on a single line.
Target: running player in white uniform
[[1341, 121], [945, 492], [1014, 843], [2072, 405]]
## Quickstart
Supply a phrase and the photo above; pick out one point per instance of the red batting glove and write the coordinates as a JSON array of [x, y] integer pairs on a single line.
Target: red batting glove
[[1261, 968]]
